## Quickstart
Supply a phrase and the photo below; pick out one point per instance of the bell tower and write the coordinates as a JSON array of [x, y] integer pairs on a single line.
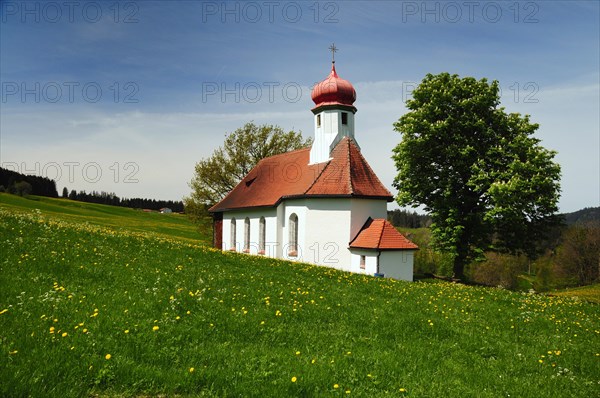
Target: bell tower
[[333, 113]]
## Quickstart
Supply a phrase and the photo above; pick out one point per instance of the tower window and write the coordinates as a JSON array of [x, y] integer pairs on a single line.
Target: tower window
[[344, 118], [318, 120]]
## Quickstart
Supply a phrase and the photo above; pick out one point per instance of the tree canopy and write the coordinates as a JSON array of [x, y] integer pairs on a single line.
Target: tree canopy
[[215, 176], [487, 183]]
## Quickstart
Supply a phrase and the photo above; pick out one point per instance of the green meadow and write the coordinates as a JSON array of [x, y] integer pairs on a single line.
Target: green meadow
[[171, 225], [102, 302]]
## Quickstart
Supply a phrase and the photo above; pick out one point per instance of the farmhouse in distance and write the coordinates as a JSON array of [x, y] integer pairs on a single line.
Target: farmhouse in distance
[[322, 205]]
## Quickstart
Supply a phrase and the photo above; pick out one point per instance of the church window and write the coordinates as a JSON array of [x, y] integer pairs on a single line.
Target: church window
[[293, 235], [362, 262], [262, 234], [232, 238], [247, 235], [344, 118], [318, 120]]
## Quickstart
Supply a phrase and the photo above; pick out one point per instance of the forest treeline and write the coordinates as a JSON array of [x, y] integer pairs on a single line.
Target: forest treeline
[[23, 185], [109, 198]]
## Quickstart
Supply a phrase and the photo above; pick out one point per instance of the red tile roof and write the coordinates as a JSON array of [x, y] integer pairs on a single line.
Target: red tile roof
[[289, 175], [381, 235]]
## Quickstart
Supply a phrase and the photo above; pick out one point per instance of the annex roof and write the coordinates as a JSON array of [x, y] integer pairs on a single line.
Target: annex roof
[[289, 175], [379, 234]]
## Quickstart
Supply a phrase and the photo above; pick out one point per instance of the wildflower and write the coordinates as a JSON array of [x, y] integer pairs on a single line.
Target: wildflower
[[126, 331], [64, 334], [297, 352], [155, 328], [403, 390], [108, 356], [336, 386], [84, 330], [294, 379], [51, 329], [192, 370]]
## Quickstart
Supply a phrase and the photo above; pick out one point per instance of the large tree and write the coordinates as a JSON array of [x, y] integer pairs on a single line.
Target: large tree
[[215, 176], [487, 183]]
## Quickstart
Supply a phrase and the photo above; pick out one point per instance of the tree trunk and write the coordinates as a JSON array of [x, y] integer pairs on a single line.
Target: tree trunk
[[459, 268]]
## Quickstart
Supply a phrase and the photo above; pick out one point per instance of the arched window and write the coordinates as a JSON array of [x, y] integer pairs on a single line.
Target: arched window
[[247, 235], [262, 235], [293, 238], [233, 231]]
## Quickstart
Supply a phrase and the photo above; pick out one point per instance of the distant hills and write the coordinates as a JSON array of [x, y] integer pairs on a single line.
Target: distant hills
[[588, 214]]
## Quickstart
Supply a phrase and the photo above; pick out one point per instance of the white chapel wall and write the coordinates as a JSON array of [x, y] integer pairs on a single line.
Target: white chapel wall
[[254, 216], [397, 264], [328, 232], [362, 209]]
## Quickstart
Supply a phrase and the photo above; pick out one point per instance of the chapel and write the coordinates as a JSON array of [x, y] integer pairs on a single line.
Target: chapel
[[322, 205]]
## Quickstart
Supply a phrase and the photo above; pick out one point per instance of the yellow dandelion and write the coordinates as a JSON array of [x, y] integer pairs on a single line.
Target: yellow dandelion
[[192, 370], [126, 331], [84, 330], [155, 328], [64, 334], [294, 379], [336, 386], [403, 390], [108, 356], [297, 352]]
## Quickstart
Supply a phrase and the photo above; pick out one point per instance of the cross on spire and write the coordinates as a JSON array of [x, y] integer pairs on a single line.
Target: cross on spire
[[333, 49]]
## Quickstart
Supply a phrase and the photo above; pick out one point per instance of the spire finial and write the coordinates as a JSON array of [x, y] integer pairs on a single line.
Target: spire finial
[[333, 49]]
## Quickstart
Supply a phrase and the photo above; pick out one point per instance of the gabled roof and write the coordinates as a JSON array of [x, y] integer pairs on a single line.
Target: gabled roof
[[289, 175], [379, 234]]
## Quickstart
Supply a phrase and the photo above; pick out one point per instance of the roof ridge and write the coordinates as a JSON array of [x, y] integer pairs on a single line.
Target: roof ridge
[[284, 153], [381, 234], [371, 172], [312, 184], [351, 186]]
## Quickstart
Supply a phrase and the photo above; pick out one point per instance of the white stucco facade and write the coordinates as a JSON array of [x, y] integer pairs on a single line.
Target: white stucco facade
[[329, 128], [325, 228]]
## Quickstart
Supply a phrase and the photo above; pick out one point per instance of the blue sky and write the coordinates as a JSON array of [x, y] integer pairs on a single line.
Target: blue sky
[[127, 96]]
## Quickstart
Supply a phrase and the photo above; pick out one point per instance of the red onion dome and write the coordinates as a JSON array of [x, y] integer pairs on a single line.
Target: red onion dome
[[333, 91]]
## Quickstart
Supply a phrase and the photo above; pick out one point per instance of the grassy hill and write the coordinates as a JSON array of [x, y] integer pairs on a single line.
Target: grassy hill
[[172, 225], [99, 309]]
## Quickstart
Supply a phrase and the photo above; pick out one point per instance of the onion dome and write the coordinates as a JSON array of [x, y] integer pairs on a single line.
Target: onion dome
[[334, 91]]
